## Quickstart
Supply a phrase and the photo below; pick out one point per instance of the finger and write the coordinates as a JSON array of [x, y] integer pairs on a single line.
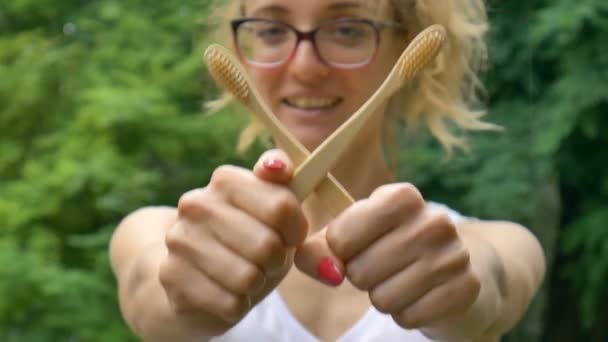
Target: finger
[[387, 256], [446, 300], [367, 220], [221, 222], [315, 258], [402, 289], [272, 204], [429, 270], [222, 265], [250, 238], [192, 291], [418, 237], [274, 166]]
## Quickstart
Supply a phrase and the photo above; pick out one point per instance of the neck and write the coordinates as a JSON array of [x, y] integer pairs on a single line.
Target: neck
[[363, 169]]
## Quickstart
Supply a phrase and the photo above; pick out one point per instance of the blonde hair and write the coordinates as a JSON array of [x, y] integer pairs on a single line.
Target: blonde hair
[[443, 94]]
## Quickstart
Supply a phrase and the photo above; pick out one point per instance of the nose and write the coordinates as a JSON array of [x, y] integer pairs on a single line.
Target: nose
[[306, 65]]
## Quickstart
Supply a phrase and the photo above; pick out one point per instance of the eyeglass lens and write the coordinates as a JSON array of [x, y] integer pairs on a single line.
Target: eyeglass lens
[[341, 42]]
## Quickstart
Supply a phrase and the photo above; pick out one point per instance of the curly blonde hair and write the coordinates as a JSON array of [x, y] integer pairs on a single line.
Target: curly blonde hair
[[442, 95]]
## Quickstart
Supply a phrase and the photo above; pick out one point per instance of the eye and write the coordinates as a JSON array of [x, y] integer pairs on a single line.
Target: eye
[[348, 32], [271, 33]]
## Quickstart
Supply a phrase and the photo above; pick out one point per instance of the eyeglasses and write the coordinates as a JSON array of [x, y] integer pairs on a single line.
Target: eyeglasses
[[342, 43]]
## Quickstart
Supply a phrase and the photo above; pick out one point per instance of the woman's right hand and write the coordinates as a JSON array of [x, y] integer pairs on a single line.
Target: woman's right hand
[[232, 243]]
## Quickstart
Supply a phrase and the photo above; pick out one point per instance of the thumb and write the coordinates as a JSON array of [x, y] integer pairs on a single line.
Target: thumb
[[315, 258], [274, 166]]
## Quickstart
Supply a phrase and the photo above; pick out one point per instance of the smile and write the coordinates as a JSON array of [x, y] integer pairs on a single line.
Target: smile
[[312, 103]]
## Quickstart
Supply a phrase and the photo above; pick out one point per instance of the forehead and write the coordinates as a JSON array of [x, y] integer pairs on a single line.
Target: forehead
[[372, 7]]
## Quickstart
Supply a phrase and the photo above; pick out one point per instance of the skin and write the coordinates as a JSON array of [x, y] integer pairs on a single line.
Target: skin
[[184, 273], [305, 75]]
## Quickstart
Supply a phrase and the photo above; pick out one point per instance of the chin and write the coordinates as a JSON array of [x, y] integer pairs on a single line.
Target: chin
[[310, 138], [310, 143]]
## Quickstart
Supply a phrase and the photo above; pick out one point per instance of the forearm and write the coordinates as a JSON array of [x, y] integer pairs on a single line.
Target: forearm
[[136, 250], [473, 324], [524, 270], [143, 302], [510, 266], [145, 306]]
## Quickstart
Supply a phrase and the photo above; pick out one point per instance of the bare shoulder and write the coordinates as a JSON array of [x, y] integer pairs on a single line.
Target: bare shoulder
[[138, 230]]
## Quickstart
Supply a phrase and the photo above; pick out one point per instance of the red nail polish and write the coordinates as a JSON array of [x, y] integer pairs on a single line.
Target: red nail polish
[[328, 271], [274, 164]]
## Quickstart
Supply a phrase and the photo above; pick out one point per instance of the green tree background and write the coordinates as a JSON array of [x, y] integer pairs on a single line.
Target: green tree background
[[101, 113]]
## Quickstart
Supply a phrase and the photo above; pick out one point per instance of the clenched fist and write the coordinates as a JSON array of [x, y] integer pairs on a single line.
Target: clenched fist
[[233, 242], [408, 257]]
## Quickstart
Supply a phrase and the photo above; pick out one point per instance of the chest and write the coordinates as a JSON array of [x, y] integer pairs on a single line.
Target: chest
[[324, 311]]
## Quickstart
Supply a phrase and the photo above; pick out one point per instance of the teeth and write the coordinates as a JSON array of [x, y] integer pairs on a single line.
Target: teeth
[[312, 102]]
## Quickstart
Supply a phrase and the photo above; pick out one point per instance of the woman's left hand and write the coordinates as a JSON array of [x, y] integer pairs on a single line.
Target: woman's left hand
[[409, 258]]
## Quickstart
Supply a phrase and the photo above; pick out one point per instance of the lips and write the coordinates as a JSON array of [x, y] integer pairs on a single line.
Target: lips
[[312, 103]]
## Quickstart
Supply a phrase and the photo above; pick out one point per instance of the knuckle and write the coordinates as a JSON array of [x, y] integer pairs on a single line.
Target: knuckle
[[195, 203], [456, 262], [222, 176], [170, 276], [246, 279], [333, 239], [473, 284], [406, 195], [336, 242], [381, 300], [406, 242], [234, 306], [265, 247], [165, 273], [174, 239], [442, 220], [337, 236], [182, 237], [180, 301], [440, 228], [282, 207], [462, 258], [357, 277], [409, 319]]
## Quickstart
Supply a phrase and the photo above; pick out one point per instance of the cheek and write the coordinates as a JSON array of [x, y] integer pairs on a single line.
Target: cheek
[[366, 81], [265, 81], [376, 73]]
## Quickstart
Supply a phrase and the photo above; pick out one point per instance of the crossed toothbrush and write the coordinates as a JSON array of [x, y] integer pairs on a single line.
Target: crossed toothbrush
[[312, 169]]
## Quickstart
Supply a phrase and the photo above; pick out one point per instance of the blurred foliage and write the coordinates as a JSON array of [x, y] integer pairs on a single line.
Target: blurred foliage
[[546, 85], [102, 113]]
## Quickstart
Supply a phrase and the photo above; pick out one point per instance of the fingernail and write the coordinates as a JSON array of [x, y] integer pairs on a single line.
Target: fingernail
[[274, 164], [328, 272]]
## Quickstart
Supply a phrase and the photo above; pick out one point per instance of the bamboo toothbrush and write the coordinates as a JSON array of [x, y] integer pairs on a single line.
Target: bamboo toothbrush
[[227, 70], [419, 53]]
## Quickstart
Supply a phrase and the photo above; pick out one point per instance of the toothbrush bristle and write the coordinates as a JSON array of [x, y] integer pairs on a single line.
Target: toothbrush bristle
[[421, 51], [223, 70]]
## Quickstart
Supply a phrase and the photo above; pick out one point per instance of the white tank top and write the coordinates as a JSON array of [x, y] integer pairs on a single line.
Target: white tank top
[[271, 320]]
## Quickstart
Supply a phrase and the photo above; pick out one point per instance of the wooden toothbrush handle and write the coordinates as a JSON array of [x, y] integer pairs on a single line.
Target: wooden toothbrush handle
[[333, 195]]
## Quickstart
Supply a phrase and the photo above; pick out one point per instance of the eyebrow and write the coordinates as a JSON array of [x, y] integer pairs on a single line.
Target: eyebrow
[[270, 9], [346, 5], [336, 6]]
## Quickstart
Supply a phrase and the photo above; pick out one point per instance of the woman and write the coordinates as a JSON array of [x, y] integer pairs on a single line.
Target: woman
[[392, 266]]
